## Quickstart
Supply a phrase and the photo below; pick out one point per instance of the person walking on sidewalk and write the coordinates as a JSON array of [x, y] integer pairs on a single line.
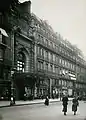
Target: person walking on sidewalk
[[46, 101], [75, 104], [65, 103]]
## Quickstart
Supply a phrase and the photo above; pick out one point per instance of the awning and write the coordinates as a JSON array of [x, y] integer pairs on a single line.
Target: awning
[[3, 32]]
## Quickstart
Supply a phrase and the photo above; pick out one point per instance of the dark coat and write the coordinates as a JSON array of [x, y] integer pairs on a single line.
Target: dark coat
[[47, 101], [75, 104], [65, 100], [65, 103]]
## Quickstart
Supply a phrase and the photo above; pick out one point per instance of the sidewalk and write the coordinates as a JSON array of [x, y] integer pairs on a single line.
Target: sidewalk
[[20, 103]]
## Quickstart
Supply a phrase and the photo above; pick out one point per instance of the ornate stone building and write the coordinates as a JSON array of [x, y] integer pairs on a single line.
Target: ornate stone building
[[60, 64], [5, 51], [40, 62]]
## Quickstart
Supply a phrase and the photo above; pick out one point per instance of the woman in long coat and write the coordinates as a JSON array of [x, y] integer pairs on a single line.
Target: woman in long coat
[[75, 104], [46, 101], [65, 103]]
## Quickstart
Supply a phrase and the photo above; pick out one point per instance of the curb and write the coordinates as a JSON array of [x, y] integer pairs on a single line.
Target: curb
[[28, 104]]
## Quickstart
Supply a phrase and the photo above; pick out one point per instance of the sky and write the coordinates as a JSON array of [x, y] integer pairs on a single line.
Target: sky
[[67, 17]]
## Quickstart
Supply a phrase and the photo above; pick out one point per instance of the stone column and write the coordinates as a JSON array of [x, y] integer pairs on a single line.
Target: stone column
[[12, 47]]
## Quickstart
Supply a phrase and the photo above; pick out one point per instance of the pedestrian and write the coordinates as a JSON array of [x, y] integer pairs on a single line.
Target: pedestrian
[[75, 104], [14, 99], [65, 103], [24, 96], [11, 100], [46, 101]]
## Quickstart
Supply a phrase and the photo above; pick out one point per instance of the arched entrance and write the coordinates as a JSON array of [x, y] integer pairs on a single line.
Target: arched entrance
[[23, 79], [19, 79]]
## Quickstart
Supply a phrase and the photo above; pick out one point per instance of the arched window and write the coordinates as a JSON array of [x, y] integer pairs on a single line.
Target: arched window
[[21, 62]]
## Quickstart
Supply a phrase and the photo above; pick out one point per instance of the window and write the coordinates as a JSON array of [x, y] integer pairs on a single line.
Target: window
[[38, 65], [53, 82], [59, 82], [60, 60], [1, 54], [38, 50], [41, 65], [62, 82], [20, 66], [46, 54], [20, 62], [46, 67], [0, 38], [46, 42], [41, 50], [51, 67], [32, 22], [65, 83], [51, 44], [54, 45], [54, 58], [38, 36], [51, 56], [30, 32], [56, 69]]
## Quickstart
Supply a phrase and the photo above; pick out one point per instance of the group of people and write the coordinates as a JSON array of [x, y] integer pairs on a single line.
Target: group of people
[[75, 103]]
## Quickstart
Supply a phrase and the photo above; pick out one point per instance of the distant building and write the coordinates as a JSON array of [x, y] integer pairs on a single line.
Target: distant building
[[39, 61], [59, 62]]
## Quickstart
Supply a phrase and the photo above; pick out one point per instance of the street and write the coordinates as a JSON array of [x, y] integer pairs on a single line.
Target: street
[[42, 112]]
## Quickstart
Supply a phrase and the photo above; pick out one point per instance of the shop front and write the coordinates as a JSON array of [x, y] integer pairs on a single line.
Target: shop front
[[42, 88], [25, 86], [5, 90]]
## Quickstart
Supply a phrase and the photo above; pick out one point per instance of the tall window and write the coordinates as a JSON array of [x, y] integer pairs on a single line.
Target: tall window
[[1, 54], [46, 66], [21, 62], [46, 42], [41, 65], [54, 58], [51, 68], [0, 38], [46, 54], [51, 57]]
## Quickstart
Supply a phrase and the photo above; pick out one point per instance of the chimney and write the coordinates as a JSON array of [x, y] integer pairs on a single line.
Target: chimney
[[26, 6]]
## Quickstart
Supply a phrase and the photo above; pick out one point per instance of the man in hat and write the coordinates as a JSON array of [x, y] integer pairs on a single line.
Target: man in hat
[[65, 103]]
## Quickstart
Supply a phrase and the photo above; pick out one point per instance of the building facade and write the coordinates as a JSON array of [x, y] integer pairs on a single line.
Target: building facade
[[60, 64], [42, 63]]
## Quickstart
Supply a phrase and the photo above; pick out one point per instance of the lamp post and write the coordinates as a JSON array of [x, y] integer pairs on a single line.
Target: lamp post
[[13, 44], [12, 97]]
